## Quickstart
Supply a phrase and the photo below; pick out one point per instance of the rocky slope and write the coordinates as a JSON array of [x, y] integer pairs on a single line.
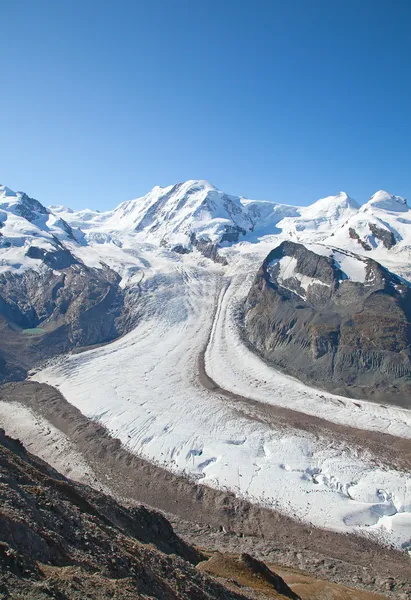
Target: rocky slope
[[333, 319], [48, 312], [64, 540]]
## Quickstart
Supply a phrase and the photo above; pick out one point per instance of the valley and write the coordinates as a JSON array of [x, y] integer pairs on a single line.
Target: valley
[[171, 386]]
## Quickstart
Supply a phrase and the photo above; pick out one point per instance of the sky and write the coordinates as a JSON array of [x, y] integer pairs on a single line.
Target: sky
[[287, 101]]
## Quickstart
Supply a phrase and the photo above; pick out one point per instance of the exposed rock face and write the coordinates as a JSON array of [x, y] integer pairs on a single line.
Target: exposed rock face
[[354, 236], [60, 258], [29, 208], [335, 320], [75, 306], [208, 249], [387, 237]]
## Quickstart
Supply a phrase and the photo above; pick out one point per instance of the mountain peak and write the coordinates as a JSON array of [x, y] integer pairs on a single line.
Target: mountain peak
[[331, 206], [189, 186], [5, 191], [344, 196], [386, 201], [60, 208], [196, 185], [203, 183]]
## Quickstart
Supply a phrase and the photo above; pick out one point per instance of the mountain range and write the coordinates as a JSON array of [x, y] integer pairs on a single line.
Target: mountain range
[[68, 278], [256, 352]]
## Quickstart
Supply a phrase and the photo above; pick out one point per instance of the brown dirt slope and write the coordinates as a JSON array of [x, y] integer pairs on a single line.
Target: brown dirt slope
[[243, 570], [64, 540]]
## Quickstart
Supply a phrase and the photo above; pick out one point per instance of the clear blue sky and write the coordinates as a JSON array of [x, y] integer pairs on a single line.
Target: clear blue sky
[[287, 101]]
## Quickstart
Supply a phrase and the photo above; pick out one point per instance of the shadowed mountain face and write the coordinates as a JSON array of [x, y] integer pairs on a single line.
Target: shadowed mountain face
[[333, 319], [46, 312]]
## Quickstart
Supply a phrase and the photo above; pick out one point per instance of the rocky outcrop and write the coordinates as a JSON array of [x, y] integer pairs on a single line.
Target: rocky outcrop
[[208, 249], [29, 208], [387, 237], [205, 247], [60, 258], [337, 321], [354, 236]]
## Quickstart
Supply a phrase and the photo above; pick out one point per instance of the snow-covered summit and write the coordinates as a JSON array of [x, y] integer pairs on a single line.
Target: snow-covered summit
[[386, 201], [321, 218], [172, 214], [380, 227], [25, 224], [332, 208]]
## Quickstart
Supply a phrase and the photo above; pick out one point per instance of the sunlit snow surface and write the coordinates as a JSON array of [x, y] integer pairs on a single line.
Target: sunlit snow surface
[[145, 389]]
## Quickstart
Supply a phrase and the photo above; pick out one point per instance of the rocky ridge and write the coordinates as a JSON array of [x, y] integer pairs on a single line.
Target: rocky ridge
[[333, 319]]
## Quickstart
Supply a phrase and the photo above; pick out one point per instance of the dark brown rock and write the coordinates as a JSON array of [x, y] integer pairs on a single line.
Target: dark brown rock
[[347, 337]]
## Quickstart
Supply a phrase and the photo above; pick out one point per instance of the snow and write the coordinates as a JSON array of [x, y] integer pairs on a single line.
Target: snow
[[156, 405], [15, 259], [146, 387], [316, 221], [42, 229], [287, 269], [59, 208], [43, 439], [354, 269], [386, 201]]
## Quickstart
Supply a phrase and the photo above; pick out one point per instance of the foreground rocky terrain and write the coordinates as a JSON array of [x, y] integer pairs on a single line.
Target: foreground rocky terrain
[[60, 539], [333, 319], [64, 540]]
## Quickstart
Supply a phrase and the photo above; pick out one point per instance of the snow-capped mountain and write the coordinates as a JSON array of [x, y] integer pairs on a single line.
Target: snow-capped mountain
[[319, 219], [380, 225], [172, 214], [29, 232], [197, 214], [137, 270], [16, 206]]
